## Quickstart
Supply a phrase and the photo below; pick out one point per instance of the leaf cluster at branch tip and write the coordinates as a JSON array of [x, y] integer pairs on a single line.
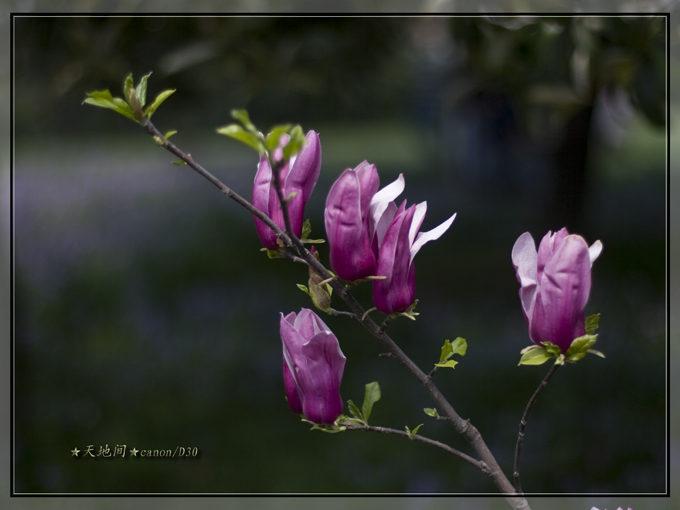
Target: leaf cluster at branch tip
[[135, 99]]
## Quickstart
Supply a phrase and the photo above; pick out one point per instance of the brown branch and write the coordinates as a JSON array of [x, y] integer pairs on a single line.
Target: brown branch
[[463, 427], [417, 437], [151, 129]]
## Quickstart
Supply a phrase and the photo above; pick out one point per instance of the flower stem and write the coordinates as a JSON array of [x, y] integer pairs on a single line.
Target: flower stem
[[523, 423]]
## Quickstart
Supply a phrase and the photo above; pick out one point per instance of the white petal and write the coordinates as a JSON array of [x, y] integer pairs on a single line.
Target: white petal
[[418, 217], [381, 201], [594, 251], [391, 191], [430, 235]]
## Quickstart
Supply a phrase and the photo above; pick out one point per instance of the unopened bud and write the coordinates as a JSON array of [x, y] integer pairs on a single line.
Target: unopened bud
[[320, 295]]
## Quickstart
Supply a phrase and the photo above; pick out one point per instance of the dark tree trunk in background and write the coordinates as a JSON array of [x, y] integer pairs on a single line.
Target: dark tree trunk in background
[[571, 160]]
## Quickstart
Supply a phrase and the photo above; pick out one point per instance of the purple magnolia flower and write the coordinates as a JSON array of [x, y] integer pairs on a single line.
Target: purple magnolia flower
[[398, 246], [555, 285], [354, 209], [312, 367], [299, 176], [347, 222]]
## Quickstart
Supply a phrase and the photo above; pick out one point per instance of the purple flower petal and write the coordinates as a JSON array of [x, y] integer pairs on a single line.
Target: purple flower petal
[[313, 366], [564, 289], [292, 395], [299, 175], [396, 293], [347, 222]]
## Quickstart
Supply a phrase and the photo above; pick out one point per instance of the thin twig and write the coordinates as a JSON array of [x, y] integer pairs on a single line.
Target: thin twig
[[151, 129], [523, 423], [432, 372], [417, 437]]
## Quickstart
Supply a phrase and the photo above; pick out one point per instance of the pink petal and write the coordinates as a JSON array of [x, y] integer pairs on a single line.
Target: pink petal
[[564, 288], [524, 259]]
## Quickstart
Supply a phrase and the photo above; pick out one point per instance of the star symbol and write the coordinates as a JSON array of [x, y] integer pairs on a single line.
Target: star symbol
[[133, 452], [74, 452]]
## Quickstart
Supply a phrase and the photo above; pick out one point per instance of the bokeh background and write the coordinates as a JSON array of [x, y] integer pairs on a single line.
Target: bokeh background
[[145, 314]]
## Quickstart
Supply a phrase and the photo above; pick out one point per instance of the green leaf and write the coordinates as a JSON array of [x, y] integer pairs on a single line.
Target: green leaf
[[530, 348], [371, 396], [447, 351], [141, 89], [179, 163], [168, 135], [306, 230], [345, 420], [274, 137], [553, 350], [128, 87], [132, 99], [157, 102], [240, 134], [592, 322], [296, 142], [410, 311], [354, 411], [458, 346], [579, 347], [447, 364], [535, 357], [413, 432], [431, 411], [326, 428], [304, 289], [243, 117], [104, 99]]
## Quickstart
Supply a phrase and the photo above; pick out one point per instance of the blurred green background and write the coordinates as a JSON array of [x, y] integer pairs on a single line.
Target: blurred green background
[[145, 314]]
